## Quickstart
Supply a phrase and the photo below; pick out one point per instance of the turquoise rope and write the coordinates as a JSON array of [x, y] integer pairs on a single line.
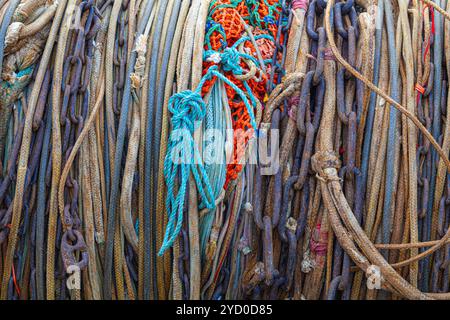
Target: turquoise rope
[[230, 62], [188, 110], [217, 169]]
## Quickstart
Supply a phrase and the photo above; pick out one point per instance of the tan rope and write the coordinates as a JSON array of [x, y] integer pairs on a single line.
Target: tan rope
[[405, 112]]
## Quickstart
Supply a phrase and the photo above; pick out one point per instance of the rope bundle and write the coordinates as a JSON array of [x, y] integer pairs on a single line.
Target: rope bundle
[[224, 149]]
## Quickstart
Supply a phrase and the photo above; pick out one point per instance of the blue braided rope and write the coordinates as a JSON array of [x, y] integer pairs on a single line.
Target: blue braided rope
[[392, 131], [436, 130]]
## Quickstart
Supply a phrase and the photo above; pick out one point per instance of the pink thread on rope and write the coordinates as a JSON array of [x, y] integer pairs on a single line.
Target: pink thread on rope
[[294, 100], [300, 4], [319, 241], [328, 54]]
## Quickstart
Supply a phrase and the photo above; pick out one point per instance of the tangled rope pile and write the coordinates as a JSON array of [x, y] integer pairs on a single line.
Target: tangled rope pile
[[224, 149]]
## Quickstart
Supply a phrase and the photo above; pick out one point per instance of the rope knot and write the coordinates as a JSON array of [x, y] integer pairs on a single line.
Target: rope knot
[[230, 61], [188, 110], [13, 34], [187, 107], [248, 207], [322, 161], [215, 58]]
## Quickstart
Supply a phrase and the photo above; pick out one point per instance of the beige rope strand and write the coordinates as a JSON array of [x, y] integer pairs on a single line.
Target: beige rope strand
[[405, 112]]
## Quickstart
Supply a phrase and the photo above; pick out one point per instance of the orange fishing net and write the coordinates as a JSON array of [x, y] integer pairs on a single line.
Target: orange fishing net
[[231, 16]]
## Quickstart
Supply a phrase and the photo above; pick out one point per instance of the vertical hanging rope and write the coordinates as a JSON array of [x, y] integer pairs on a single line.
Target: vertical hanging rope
[[224, 149]]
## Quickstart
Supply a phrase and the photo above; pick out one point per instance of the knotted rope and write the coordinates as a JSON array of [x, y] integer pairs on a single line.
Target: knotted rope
[[188, 111]]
